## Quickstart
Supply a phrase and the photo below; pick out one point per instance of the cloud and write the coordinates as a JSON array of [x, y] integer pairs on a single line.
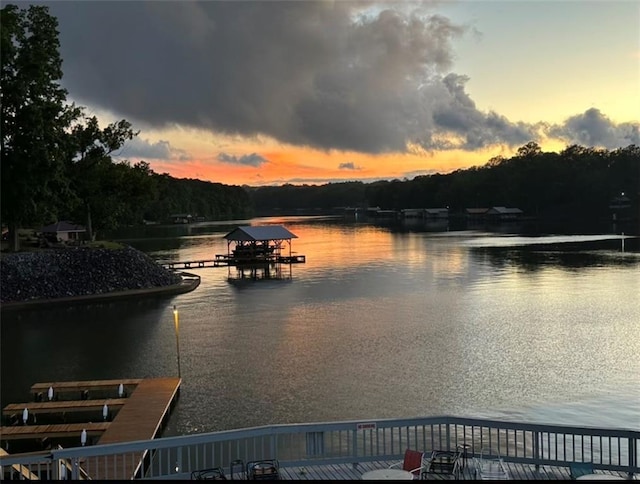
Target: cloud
[[253, 159], [361, 76], [592, 128], [144, 149], [349, 166]]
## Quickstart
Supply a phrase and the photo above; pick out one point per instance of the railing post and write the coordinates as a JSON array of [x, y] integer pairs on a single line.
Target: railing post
[[355, 446], [632, 456], [273, 447], [536, 449], [75, 472], [448, 436]]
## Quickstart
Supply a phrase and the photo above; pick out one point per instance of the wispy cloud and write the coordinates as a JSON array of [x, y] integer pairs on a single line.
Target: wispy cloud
[[253, 159], [349, 166]]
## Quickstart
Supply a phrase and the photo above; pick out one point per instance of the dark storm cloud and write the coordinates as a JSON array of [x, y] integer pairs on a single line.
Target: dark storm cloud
[[253, 159], [360, 76], [592, 128]]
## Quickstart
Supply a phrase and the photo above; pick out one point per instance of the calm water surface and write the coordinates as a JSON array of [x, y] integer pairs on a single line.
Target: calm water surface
[[378, 323]]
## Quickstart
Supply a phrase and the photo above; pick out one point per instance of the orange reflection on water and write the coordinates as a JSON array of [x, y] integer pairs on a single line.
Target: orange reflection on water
[[327, 246]]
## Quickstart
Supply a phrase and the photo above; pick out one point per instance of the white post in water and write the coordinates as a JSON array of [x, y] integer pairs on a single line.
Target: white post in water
[[177, 326], [622, 240], [50, 393], [25, 415], [83, 437]]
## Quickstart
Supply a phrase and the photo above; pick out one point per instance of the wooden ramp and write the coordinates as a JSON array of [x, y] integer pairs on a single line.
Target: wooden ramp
[[141, 418]]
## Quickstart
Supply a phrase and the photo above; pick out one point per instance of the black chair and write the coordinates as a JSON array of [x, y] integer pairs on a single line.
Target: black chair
[[213, 474], [238, 463], [263, 470]]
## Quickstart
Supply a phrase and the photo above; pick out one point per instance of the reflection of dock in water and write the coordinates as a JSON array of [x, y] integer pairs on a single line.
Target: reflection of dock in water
[[247, 273]]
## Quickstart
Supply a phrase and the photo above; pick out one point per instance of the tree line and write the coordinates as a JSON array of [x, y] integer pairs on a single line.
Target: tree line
[[57, 161], [578, 181]]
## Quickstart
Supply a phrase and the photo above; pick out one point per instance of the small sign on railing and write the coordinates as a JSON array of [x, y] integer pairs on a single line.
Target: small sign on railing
[[366, 426]]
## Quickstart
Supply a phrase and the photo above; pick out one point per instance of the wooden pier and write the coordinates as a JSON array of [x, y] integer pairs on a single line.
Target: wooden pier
[[139, 414], [224, 260]]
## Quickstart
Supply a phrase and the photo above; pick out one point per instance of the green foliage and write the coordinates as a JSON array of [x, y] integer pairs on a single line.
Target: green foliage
[[104, 191], [35, 117]]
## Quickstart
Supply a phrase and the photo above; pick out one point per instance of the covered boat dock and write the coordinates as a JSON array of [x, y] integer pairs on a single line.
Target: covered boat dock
[[259, 244]]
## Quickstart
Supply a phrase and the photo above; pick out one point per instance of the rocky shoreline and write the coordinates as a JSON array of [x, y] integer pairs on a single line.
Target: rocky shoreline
[[78, 272]]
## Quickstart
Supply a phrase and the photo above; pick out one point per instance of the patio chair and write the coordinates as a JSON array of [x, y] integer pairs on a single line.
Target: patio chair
[[577, 469], [490, 466], [213, 474], [413, 462]]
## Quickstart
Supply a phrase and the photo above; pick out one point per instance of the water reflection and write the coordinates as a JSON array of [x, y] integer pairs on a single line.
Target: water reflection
[[478, 324]]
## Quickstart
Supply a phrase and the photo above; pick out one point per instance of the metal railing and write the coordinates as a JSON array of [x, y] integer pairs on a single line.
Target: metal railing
[[337, 443]]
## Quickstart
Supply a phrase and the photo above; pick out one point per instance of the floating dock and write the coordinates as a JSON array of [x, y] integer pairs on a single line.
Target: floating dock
[[138, 410]]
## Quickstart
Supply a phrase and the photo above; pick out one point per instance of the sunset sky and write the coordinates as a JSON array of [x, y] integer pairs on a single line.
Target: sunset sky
[[269, 92]]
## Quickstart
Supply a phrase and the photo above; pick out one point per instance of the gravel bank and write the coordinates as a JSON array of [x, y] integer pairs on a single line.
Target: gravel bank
[[78, 271]]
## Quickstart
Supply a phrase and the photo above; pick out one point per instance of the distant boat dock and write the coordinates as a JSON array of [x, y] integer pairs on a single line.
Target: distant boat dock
[[89, 413]]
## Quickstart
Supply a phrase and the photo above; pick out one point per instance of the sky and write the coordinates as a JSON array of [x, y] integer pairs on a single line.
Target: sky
[[317, 91]]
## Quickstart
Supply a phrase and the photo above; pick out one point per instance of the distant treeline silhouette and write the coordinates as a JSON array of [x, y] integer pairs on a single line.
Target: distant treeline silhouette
[[576, 182]]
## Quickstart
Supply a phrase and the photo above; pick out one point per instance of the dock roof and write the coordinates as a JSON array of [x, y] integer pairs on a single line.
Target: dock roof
[[260, 233]]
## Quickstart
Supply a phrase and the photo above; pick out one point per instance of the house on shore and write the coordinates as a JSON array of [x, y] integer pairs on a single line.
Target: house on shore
[[181, 218], [436, 213], [64, 231], [504, 214], [493, 214]]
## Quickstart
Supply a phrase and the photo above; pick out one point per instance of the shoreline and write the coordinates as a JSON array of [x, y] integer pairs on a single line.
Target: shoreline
[[188, 283]]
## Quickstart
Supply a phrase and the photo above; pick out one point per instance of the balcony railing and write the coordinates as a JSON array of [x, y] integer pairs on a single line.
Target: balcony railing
[[336, 443]]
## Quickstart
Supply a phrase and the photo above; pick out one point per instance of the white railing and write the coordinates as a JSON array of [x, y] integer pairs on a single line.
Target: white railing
[[335, 443]]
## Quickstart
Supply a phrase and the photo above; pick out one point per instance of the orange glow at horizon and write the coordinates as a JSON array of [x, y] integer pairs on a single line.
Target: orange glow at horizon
[[299, 166]]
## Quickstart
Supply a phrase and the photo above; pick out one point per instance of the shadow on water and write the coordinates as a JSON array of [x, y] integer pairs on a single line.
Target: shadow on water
[[534, 257], [79, 342]]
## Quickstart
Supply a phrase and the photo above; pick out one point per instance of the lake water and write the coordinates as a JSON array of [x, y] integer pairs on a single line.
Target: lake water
[[378, 323]]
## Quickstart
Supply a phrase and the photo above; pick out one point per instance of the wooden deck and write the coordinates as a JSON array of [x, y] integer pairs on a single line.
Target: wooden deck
[[522, 472], [61, 406], [139, 416], [80, 386], [22, 432]]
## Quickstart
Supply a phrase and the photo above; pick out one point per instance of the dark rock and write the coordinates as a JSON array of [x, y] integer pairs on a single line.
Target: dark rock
[[78, 271]]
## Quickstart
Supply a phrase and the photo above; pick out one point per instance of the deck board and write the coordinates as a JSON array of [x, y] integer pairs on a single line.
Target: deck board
[[79, 386], [57, 406], [350, 472], [22, 432]]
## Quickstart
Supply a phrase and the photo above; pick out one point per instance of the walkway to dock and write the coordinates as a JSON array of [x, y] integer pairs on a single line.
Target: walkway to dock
[[139, 415], [223, 260]]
